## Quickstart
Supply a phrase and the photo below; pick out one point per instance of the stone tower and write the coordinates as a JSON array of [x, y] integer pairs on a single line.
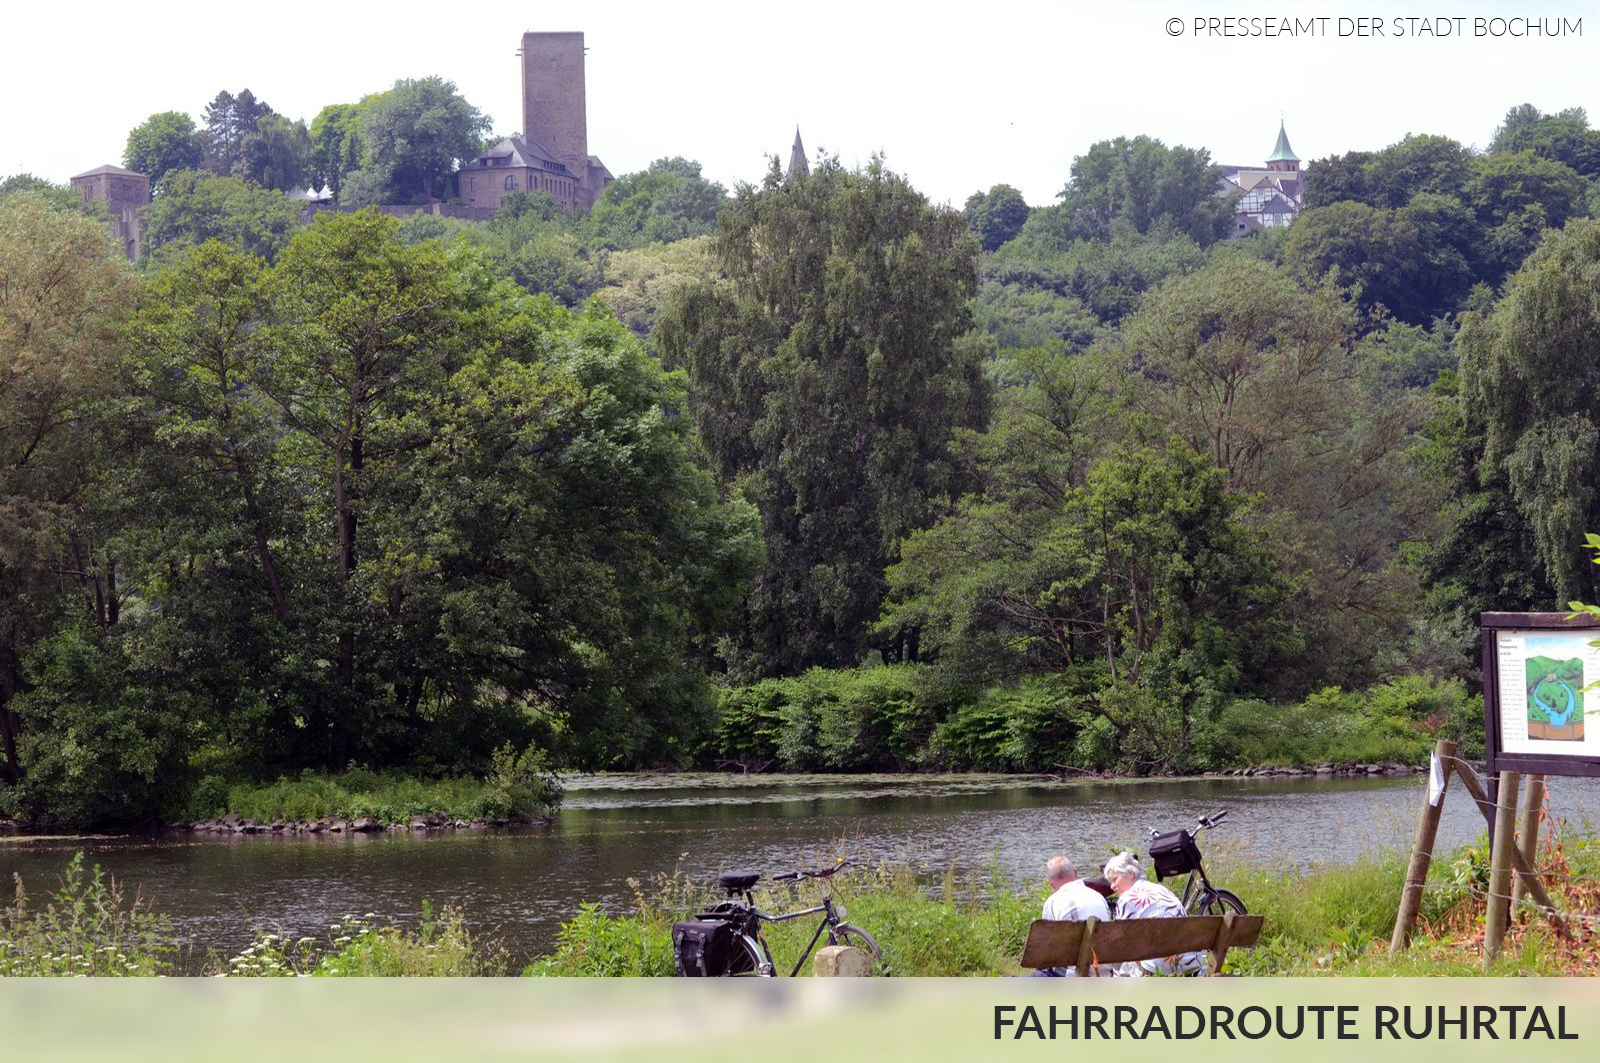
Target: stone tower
[[555, 107], [124, 194]]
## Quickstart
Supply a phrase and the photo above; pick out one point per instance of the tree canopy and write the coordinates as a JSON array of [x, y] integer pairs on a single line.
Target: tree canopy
[[826, 383], [161, 144]]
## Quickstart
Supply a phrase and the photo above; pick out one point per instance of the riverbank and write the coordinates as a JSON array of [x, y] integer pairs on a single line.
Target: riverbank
[[1330, 921]]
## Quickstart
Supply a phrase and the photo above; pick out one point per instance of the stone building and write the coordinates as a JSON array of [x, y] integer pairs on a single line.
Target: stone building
[[555, 114], [124, 194], [518, 165], [1271, 193]]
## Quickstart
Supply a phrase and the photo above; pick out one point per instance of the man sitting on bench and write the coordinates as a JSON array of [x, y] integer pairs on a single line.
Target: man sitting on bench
[[1071, 898], [1139, 898]]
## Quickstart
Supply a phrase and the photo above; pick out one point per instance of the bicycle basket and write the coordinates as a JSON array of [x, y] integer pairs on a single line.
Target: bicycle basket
[[702, 947], [1174, 854]]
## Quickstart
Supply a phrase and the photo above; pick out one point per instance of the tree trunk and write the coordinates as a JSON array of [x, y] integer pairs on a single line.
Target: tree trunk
[[347, 551], [10, 723]]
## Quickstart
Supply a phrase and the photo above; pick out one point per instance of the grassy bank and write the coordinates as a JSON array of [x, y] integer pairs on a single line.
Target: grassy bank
[[1331, 921], [515, 788]]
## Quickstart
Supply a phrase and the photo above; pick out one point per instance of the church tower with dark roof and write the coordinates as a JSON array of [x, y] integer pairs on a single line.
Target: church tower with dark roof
[[798, 167]]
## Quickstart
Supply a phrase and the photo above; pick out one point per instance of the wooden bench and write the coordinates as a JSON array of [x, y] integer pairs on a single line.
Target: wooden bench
[[1070, 943]]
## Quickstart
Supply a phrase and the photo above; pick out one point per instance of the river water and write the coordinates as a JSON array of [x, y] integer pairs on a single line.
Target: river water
[[519, 885]]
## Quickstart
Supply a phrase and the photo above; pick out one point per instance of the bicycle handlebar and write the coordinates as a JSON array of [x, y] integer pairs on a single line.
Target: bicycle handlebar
[[821, 872], [1202, 823]]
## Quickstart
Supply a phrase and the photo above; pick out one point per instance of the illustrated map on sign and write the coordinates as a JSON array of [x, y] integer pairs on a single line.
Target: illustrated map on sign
[[1555, 695]]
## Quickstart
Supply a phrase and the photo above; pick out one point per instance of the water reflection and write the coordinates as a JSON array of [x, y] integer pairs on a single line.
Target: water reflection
[[520, 885]]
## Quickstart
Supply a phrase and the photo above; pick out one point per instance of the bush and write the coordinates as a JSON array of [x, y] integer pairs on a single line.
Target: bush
[[87, 927], [519, 786], [1034, 726], [1397, 721], [105, 734], [749, 725]]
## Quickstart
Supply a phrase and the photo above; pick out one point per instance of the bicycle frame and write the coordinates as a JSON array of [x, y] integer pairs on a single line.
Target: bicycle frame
[[829, 918]]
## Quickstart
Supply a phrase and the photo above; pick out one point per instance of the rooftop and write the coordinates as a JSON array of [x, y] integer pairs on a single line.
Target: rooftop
[[109, 169]]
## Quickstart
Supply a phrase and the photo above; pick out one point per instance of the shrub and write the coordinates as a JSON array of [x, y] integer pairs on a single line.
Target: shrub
[[749, 725], [88, 926], [104, 735]]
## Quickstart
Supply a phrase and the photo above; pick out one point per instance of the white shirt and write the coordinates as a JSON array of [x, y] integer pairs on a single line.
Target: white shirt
[[1076, 900]]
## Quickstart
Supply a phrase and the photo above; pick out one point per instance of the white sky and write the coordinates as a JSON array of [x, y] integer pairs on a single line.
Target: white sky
[[959, 96]]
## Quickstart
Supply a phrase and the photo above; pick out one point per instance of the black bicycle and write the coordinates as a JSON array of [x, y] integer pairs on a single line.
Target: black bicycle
[[727, 938], [1176, 854]]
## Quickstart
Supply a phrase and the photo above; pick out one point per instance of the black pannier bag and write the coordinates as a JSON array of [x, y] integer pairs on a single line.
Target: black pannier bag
[[1174, 854], [702, 947]]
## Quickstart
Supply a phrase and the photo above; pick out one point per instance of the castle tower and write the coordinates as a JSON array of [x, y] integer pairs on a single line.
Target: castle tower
[[555, 108], [1283, 159], [124, 194], [798, 167]]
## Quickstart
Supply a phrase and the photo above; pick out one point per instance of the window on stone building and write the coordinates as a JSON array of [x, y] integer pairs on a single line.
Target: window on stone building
[[472, 184], [511, 181]]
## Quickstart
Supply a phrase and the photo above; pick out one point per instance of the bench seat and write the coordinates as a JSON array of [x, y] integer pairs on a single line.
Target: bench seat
[[1084, 944]]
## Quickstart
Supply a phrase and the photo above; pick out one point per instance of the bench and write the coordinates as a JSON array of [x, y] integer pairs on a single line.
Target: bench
[[1071, 943]]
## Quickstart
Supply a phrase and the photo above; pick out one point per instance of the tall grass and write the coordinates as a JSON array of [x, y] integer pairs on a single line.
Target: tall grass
[[88, 926], [357, 947]]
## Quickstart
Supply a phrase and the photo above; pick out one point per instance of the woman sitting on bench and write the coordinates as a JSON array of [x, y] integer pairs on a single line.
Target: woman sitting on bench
[[1139, 898]]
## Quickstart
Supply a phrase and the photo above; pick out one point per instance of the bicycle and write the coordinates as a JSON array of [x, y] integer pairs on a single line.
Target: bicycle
[[748, 954], [1176, 853]]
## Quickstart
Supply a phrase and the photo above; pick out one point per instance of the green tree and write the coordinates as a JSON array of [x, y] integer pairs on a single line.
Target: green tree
[[1563, 137], [666, 202], [1263, 378], [996, 215], [1140, 184], [1517, 197], [195, 207], [1338, 178], [337, 146], [1374, 251], [1145, 581], [278, 155], [231, 122], [66, 290], [415, 134], [161, 144], [1525, 376], [639, 282], [827, 375]]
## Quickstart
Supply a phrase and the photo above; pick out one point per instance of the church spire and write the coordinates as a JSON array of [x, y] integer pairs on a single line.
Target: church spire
[[1282, 152], [798, 167]]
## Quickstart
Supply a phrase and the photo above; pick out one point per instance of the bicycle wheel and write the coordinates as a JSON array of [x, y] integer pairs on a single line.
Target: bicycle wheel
[[1219, 902], [854, 936], [746, 960]]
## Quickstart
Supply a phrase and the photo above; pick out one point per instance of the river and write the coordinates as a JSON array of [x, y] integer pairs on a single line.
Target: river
[[519, 885]]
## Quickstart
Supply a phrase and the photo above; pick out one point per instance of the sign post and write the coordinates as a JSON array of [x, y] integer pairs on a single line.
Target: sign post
[[1540, 718]]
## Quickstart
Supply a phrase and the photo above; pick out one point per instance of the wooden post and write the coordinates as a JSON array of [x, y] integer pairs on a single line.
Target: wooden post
[[1535, 887], [1502, 847], [1219, 948], [1405, 919], [1085, 968], [1532, 806]]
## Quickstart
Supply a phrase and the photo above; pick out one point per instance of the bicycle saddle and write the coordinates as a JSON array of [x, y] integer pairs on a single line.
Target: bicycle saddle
[[738, 880]]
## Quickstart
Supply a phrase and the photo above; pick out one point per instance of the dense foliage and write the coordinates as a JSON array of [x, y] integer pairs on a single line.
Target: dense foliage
[[818, 475], [826, 382]]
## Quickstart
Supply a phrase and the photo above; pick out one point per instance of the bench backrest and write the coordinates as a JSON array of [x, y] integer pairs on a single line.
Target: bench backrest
[[1069, 943]]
